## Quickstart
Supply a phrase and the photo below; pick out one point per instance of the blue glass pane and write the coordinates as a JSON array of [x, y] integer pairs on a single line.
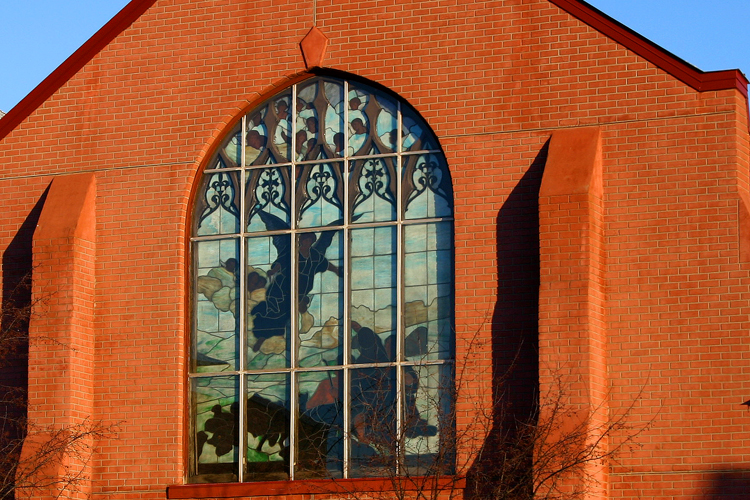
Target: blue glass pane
[[320, 286], [386, 133], [334, 117], [359, 123], [215, 344], [373, 298], [217, 207], [269, 301], [373, 422], [373, 190], [267, 198], [428, 296], [427, 187], [428, 420], [415, 134], [320, 425], [320, 193], [215, 439], [268, 426]]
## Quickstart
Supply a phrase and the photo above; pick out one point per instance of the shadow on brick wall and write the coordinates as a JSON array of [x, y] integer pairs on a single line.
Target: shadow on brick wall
[[515, 326], [14, 331], [728, 485]]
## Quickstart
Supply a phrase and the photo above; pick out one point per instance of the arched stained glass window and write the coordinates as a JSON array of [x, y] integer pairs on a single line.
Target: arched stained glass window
[[322, 299]]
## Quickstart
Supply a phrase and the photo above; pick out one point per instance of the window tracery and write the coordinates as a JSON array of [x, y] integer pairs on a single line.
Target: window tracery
[[322, 341]]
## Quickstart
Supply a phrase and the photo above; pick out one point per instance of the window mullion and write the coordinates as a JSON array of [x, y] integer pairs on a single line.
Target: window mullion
[[293, 391], [346, 327], [242, 333], [400, 305]]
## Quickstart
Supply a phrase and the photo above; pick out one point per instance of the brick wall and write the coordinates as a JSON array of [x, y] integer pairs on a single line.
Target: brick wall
[[495, 80]]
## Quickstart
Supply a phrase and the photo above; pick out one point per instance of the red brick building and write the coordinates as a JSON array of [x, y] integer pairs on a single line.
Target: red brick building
[[584, 222]]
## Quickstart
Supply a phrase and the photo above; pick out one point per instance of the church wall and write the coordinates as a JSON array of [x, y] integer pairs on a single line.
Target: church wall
[[495, 80]]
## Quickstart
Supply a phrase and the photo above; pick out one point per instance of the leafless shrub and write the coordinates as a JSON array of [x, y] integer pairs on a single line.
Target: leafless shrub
[[485, 452], [54, 459]]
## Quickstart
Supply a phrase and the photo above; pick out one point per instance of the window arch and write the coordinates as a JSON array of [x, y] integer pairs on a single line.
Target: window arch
[[322, 292]]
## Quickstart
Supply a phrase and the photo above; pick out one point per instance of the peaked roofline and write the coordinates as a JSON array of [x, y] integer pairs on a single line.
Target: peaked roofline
[[678, 68], [655, 54], [73, 65]]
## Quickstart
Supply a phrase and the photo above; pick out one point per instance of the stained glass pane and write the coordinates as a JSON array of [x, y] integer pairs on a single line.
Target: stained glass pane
[[307, 124], [216, 306], [373, 298], [230, 151], [415, 134], [320, 193], [334, 117], [386, 124], [256, 137], [320, 286], [373, 190], [267, 198], [215, 443], [217, 207], [269, 301], [278, 120], [428, 277], [320, 425], [268, 426], [373, 422], [429, 435], [359, 122], [427, 187]]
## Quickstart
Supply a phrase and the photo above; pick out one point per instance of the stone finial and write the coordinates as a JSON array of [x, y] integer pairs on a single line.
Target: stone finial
[[313, 47]]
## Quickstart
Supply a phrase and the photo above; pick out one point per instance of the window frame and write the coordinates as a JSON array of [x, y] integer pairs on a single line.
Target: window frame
[[241, 237]]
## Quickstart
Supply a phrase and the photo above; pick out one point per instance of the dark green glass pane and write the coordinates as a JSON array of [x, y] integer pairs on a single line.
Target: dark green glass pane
[[215, 436], [373, 429], [268, 426], [216, 337], [269, 301], [373, 297], [320, 286], [320, 425]]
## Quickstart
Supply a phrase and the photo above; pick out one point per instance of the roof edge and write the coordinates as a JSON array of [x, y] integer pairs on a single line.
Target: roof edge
[[73, 65], [685, 72]]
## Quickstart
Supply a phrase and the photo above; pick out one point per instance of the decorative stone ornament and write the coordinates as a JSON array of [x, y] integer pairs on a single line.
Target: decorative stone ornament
[[313, 47]]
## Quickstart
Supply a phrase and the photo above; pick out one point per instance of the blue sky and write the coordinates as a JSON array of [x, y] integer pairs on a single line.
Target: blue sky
[[36, 37]]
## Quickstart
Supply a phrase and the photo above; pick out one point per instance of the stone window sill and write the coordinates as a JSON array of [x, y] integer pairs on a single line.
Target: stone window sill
[[310, 487]]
